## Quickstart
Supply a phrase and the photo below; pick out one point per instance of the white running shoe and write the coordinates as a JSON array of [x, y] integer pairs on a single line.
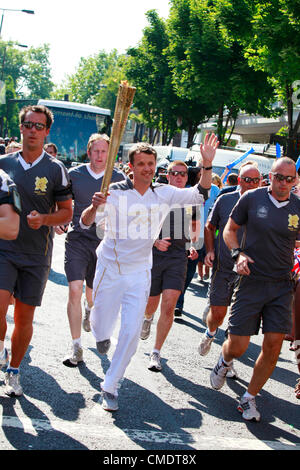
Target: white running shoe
[[155, 363], [145, 333], [232, 373], [75, 356], [4, 359], [12, 384], [247, 406], [86, 325], [109, 401], [205, 344], [218, 374]]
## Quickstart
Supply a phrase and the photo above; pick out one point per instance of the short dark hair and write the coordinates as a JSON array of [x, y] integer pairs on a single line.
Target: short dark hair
[[50, 144], [37, 109], [141, 147], [232, 179]]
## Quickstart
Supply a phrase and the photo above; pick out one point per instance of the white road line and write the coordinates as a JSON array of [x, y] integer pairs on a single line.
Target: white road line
[[192, 438]]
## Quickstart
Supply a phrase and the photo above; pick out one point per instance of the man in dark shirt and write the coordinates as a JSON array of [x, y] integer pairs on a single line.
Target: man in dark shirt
[[43, 185], [169, 266], [9, 212], [264, 290], [218, 255]]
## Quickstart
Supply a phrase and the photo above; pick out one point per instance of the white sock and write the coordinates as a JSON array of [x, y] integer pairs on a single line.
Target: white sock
[[248, 395], [211, 333], [77, 341], [156, 351], [227, 363]]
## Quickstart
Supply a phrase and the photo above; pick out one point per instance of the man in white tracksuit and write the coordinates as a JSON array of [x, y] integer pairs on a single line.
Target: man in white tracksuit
[[134, 212]]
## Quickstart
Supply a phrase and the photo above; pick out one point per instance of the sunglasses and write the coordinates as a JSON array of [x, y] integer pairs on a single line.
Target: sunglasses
[[38, 125], [176, 173], [247, 179], [288, 179]]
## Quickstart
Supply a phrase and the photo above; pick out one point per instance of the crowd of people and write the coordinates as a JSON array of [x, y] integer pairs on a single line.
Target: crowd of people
[[138, 246]]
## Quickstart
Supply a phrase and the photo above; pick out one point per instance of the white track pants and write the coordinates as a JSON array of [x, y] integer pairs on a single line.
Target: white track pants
[[113, 293]]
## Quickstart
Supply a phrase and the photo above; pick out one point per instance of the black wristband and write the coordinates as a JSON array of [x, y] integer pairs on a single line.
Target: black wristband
[[207, 167]]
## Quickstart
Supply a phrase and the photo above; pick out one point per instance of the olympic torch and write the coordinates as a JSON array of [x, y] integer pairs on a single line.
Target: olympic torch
[[123, 105]]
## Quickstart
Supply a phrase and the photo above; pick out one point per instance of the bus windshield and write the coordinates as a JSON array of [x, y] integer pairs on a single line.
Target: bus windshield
[[73, 125]]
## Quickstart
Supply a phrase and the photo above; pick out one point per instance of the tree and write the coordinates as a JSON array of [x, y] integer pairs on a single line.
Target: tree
[[273, 48], [209, 66]]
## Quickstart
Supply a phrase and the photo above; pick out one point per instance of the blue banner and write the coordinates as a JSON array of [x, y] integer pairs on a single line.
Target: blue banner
[[238, 160], [278, 150], [298, 163]]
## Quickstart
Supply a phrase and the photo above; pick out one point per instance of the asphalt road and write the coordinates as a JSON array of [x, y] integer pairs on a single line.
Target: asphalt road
[[175, 410]]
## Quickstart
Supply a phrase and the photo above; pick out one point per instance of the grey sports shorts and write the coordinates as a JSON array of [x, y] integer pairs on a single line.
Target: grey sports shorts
[[24, 275], [221, 288], [80, 258], [167, 273], [256, 301]]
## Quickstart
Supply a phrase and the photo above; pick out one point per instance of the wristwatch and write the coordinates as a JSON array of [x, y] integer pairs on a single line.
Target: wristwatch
[[235, 252]]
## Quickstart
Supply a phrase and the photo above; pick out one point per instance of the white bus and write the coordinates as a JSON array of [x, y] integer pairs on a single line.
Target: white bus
[[73, 125]]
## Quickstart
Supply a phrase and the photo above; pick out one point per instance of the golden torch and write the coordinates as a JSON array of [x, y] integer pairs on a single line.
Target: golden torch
[[123, 105]]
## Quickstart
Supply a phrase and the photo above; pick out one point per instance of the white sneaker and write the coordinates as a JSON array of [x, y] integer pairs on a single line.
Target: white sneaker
[[4, 358], [12, 384], [86, 325], [146, 328], [218, 374], [155, 363], [232, 373], [205, 344], [109, 401], [75, 356], [247, 406]]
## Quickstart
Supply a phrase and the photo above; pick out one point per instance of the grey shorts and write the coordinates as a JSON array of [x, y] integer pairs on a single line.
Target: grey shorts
[[221, 288], [80, 259], [167, 273], [256, 301], [24, 275]]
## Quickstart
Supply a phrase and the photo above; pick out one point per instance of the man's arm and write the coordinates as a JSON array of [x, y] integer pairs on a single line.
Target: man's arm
[[231, 240], [9, 222], [89, 214], [209, 239], [62, 216], [208, 152]]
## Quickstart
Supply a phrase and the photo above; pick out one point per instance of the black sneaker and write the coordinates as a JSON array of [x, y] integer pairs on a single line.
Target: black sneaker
[[178, 312]]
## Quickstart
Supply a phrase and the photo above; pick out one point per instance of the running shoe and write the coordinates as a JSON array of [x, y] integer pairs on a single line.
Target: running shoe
[[4, 359], [247, 406], [218, 374], [86, 325], [297, 389], [103, 346], [12, 384], [145, 333], [155, 363], [75, 356], [178, 312], [232, 373], [205, 344], [109, 401]]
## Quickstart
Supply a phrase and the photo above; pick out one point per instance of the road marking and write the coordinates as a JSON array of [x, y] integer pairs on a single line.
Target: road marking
[[193, 439]]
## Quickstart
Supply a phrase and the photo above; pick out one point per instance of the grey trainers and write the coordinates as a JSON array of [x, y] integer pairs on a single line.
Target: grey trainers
[[86, 325], [4, 358], [109, 401], [205, 344], [103, 346], [154, 363], [12, 384], [218, 374], [145, 333], [75, 356], [247, 406]]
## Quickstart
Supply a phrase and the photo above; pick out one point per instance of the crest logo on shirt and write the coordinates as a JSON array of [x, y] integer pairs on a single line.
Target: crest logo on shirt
[[262, 212], [41, 185], [293, 222]]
